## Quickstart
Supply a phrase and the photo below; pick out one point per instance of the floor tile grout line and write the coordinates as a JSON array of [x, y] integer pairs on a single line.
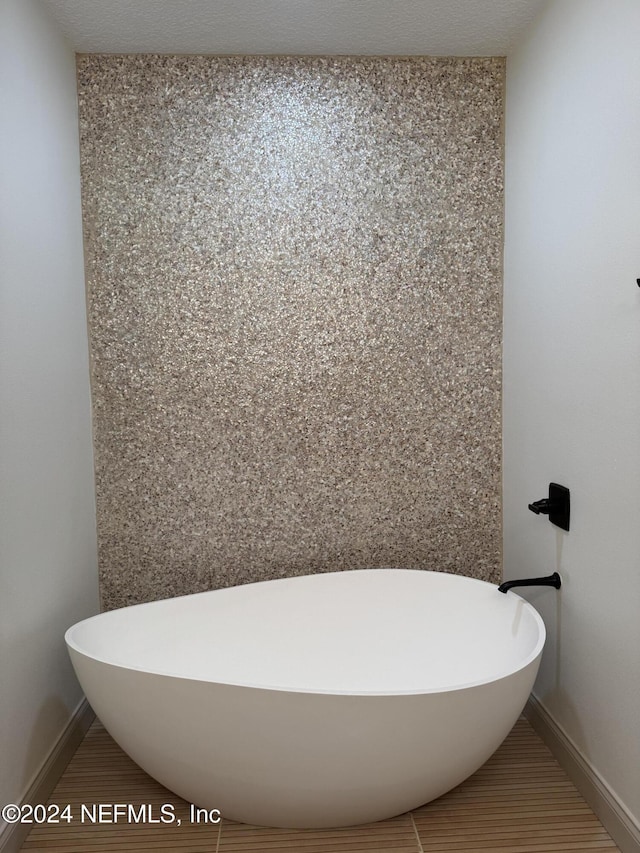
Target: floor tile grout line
[[415, 829]]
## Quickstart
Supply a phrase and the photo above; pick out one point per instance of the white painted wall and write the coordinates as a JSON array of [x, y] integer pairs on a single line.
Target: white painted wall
[[48, 572], [572, 365]]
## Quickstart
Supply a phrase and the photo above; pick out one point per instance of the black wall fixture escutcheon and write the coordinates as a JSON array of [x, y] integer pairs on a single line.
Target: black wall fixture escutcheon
[[557, 506]]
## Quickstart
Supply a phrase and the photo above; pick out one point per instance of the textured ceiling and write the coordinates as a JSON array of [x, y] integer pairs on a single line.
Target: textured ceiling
[[369, 27]]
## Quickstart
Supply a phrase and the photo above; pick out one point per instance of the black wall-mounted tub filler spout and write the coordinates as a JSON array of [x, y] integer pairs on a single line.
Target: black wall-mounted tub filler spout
[[550, 580]]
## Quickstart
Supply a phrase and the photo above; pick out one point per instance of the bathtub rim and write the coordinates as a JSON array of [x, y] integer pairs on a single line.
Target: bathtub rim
[[532, 657]]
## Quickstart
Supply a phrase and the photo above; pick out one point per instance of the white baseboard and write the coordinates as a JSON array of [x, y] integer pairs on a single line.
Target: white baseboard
[[12, 836], [615, 818]]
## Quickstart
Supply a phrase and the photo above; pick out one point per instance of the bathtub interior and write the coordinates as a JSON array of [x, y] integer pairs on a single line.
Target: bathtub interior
[[381, 631]]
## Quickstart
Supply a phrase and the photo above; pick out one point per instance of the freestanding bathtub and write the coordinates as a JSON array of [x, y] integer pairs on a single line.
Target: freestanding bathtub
[[317, 701]]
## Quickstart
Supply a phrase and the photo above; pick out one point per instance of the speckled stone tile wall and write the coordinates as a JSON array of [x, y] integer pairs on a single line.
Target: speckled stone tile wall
[[294, 290]]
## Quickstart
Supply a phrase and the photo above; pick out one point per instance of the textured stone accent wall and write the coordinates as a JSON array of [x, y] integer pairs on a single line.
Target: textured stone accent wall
[[294, 287]]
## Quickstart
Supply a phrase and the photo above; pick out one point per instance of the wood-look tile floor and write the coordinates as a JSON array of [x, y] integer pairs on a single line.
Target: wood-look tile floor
[[521, 801]]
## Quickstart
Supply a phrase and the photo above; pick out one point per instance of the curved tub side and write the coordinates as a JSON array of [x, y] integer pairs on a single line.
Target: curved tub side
[[281, 758]]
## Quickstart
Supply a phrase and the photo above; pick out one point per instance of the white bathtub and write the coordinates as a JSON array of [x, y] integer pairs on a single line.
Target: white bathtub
[[316, 701]]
